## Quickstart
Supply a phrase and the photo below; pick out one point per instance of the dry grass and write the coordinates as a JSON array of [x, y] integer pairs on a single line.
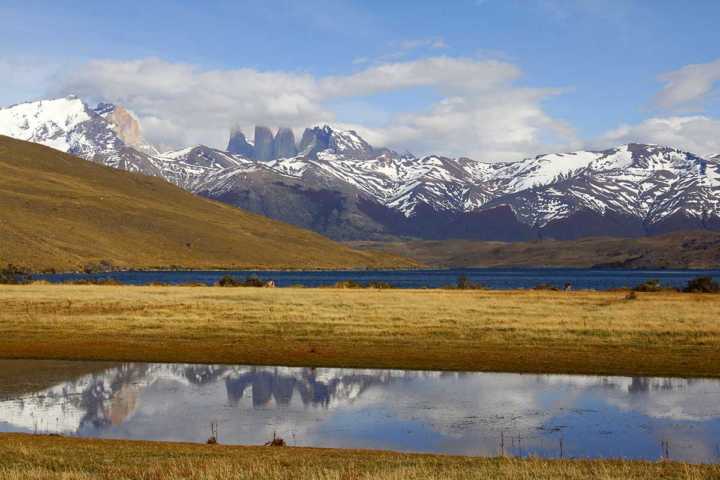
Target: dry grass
[[515, 331], [37, 457], [61, 212]]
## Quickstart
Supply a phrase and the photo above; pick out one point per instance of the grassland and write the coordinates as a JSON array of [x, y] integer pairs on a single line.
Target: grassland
[[61, 212], [37, 457], [694, 249], [515, 331]]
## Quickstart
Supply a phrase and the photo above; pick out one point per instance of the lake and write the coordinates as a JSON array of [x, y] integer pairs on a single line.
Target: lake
[[492, 278], [418, 411]]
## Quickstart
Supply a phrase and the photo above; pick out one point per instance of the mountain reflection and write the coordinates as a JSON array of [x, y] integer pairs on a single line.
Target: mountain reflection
[[450, 412], [272, 385]]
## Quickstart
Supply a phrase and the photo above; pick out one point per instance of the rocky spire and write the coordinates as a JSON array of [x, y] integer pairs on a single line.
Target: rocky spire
[[264, 144], [238, 145], [285, 144]]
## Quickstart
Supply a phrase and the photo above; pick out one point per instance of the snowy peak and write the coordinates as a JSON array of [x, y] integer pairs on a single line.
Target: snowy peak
[[49, 122], [70, 125]]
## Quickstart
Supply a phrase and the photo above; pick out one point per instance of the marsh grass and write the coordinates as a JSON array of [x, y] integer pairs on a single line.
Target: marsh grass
[[662, 333], [55, 458]]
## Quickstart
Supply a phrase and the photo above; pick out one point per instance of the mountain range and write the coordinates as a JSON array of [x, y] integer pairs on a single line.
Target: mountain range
[[334, 182]]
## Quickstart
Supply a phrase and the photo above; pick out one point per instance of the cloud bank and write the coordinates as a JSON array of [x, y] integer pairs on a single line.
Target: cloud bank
[[688, 86], [477, 109], [697, 134]]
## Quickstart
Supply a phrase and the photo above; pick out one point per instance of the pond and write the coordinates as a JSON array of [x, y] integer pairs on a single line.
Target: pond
[[496, 278], [459, 413]]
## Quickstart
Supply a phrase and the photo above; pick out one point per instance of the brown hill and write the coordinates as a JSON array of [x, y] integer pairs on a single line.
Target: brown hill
[[695, 249], [60, 212]]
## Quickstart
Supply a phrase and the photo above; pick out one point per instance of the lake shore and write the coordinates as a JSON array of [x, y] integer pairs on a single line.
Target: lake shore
[[603, 333], [47, 457]]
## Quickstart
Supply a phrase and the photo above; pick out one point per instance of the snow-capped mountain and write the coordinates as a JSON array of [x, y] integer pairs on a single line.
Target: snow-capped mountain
[[335, 182], [629, 190], [70, 125]]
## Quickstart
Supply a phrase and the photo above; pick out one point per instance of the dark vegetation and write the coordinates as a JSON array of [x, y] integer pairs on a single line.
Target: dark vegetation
[[651, 286], [250, 281], [702, 285], [464, 283], [13, 275]]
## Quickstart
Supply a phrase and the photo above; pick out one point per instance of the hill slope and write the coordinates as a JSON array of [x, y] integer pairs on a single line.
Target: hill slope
[[696, 249], [61, 212]]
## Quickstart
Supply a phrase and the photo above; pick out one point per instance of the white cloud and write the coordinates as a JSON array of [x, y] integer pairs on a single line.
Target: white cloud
[[698, 134], [481, 113], [22, 77], [689, 85]]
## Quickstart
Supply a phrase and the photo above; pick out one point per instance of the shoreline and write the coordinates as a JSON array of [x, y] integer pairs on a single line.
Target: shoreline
[[421, 268]]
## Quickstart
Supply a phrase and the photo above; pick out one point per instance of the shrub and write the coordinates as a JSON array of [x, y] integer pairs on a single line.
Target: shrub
[[702, 285], [103, 266], [380, 285], [464, 283], [347, 284], [546, 286], [230, 281], [649, 286], [12, 275]]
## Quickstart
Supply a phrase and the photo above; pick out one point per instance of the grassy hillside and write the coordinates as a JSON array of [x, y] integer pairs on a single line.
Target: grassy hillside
[[61, 212], [698, 249]]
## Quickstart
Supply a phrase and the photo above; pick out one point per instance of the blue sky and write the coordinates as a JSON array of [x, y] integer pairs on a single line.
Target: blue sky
[[546, 73]]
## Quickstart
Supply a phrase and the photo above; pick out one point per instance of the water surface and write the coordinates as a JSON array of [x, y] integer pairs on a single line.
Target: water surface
[[458, 413], [490, 277]]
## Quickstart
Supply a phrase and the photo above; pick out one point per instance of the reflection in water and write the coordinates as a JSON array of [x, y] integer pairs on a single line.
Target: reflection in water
[[465, 413]]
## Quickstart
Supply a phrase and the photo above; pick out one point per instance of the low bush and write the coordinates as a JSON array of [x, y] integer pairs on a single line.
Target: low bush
[[702, 285], [251, 281], [464, 283], [650, 286], [12, 275]]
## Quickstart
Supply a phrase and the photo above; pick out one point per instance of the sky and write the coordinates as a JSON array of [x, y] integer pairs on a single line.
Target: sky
[[494, 80]]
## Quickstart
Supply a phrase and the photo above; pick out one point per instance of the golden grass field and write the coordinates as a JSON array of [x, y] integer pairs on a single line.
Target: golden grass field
[[672, 334], [24, 457]]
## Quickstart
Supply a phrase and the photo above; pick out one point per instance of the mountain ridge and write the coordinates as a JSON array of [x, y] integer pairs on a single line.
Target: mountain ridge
[[341, 186]]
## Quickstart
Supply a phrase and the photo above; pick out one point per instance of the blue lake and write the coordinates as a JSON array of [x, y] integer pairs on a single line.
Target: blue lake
[[491, 278], [420, 411]]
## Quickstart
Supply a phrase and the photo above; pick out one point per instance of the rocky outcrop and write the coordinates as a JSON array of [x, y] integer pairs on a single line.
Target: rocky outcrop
[[285, 144], [238, 145], [264, 144], [315, 140]]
